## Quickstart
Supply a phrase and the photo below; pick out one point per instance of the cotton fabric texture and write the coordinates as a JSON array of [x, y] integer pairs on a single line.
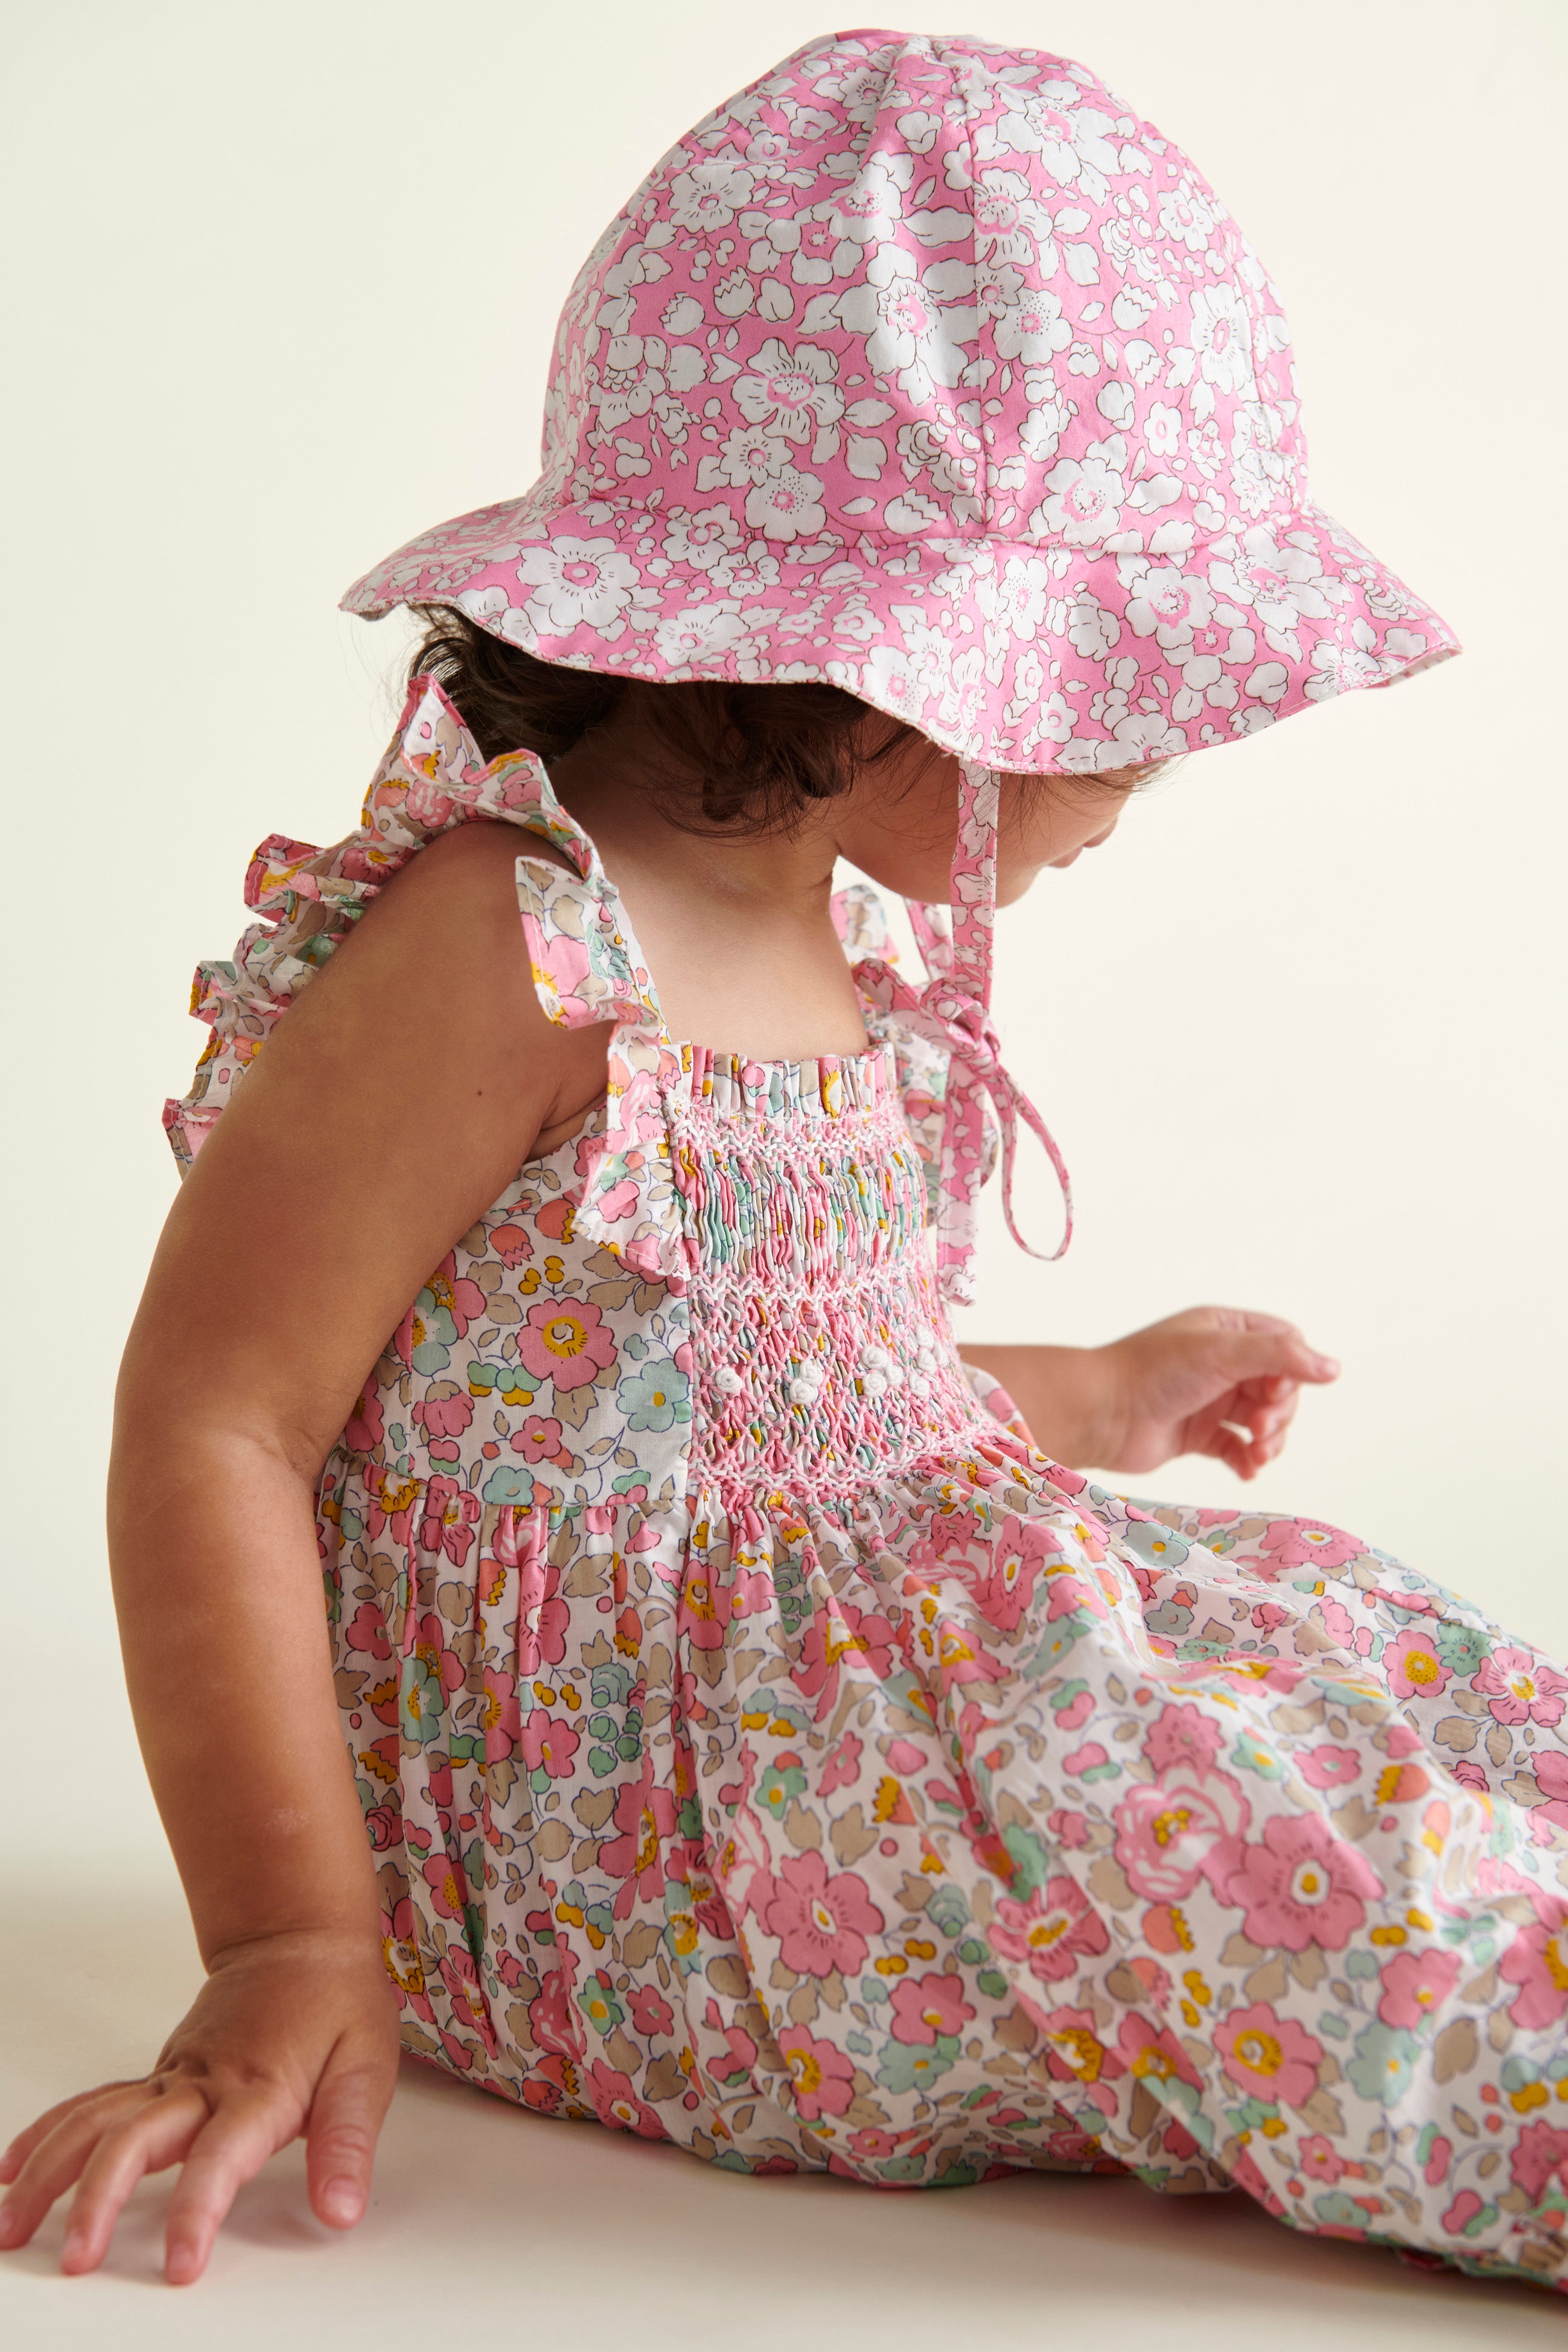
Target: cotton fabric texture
[[765, 1747], [930, 370]]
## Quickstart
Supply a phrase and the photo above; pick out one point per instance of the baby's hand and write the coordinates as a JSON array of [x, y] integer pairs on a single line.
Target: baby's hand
[[1214, 1379], [293, 2033]]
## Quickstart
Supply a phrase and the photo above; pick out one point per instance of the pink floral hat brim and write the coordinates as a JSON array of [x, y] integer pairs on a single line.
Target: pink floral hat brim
[[1003, 653], [932, 371]]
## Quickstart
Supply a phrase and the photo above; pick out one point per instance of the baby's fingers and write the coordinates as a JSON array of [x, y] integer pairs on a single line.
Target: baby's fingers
[[15, 2156], [157, 2137], [248, 2128], [55, 2149]]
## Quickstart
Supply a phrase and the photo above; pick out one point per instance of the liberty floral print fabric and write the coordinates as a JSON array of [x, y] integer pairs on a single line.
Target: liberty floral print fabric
[[766, 1748], [930, 370]]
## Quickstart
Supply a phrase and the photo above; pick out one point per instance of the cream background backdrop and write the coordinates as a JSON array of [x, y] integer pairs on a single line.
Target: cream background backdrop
[[285, 291]]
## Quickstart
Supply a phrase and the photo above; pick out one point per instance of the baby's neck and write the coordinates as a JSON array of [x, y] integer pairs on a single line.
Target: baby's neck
[[737, 926]]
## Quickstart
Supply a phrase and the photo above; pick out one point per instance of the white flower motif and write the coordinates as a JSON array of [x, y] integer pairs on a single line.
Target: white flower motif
[[1345, 668], [577, 580], [1162, 429], [1222, 337], [916, 322], [707, 539], [1187, 218], [749, 454], [1031, 327], [1168, 606], [1085, 496], [1047, 420], [1011, 224], [785, 505], [792, 391], [686, 639], [1092, 632], [727, 1381], [1282, 585], [711, 195]]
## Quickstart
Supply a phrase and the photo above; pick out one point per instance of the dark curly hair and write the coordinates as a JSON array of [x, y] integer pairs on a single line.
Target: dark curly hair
[[764, 752]]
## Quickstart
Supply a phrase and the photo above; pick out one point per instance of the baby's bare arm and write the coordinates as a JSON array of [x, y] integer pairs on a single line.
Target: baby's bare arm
[[393, 1104]]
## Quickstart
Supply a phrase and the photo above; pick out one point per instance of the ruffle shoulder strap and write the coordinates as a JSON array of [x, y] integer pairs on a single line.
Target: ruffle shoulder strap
[[587, 966]]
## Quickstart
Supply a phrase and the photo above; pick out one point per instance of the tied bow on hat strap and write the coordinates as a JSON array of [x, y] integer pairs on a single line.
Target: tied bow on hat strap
[[953, 1011]]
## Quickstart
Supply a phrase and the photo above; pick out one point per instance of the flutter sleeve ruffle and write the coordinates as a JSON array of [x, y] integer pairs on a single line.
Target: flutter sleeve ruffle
[[587, 966]]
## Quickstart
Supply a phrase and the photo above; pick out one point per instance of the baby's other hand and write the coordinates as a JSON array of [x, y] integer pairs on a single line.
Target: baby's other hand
[[1214, 1379]]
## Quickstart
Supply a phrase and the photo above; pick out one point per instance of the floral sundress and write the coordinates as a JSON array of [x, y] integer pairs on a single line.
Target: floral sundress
[[765, 1747]]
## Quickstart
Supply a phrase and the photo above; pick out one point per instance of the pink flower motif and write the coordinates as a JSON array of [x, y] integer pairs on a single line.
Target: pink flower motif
[[511, 1244], [1076, 2054], [1303, 1885], [822, 1922], [1017, 1555], [1147, 2050], [1416, 1985], [542, 1617], [1304, 1543], [1539, 2151], [1537, 1964], [651, 2013], [1519, 1688], [1188, 1825], [429, 1645], [366, 1630], [842, 1767], [1183, 1734], [1271, 2056], [832, 1635], [499, 1716], [549, 1740], [1412, 1666], [926, 2007], [1330, 1768], [1069, 1592], [822, 2076], [1436, 2169], [565, 1340], [451, 1514], [705, 1605], [1053, 1931], [364, 1428], [444, 1877], [1464, 2209], [1337, 1621], [1070, 1829], [645, 1816], [539, 1440], [1318, 2159], [444, 1416], [617, 2104], [617, 1201]]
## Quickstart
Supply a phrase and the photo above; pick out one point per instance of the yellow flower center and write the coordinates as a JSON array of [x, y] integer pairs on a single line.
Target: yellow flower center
[[1259, 2052]]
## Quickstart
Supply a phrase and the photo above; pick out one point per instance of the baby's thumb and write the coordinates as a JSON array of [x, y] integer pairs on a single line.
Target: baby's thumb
[[347, 2116], [1271, 1355]]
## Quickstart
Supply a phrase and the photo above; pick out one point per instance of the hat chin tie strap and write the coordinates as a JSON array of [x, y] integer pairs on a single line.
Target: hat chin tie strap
[[954, 1010]]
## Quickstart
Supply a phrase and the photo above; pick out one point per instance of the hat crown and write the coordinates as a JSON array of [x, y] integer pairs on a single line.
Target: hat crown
[[924, 289]]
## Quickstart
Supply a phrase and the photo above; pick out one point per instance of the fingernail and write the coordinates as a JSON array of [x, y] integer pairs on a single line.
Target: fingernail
[[342, 2201], [1329, 1367], [7, 2224], [71, 2251]]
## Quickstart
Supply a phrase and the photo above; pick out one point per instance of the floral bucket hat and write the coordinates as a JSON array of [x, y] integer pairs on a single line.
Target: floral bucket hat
[[929, 370]]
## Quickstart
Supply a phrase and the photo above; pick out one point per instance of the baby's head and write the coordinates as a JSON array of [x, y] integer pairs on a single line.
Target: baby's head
[[747, 760]]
